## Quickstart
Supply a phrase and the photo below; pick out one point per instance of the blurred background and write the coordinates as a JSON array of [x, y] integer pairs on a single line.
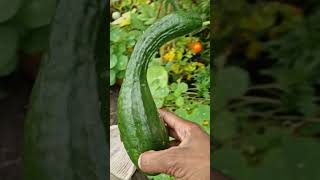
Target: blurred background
[[24, 31], [266, 122], [179, 73]]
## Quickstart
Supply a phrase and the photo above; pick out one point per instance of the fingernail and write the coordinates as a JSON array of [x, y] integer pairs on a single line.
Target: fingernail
[[139, 162], [145, 162]]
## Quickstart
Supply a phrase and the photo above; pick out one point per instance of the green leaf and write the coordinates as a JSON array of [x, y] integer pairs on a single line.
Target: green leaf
[[136, 23], [180, 101], [160, 92], [183, 113], [120, 49], [135, 34], [201, 116], [231, 82], [181, 88], [113, 61], [37, 13], [112, 77], [8, 8], [122, 63], [155, 62], [37, 40], [121, 74], [117, 34], [8, 49], [159, 102], [158, 73], [173, 86]]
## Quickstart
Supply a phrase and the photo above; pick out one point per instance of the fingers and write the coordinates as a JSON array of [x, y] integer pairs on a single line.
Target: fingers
[[172, 120], [177, 126], [173, 133], [154, 161]]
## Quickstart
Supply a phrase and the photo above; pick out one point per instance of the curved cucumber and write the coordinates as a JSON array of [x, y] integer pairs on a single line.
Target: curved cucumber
[[138, 119]]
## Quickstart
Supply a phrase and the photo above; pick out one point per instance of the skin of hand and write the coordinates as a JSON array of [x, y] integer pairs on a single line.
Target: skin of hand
[[188, 157]]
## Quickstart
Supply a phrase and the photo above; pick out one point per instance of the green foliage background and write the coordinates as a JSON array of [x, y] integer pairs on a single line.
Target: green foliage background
[[266, 89]]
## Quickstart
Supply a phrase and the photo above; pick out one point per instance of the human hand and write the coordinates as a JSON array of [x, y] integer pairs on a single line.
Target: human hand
[[188, 157]]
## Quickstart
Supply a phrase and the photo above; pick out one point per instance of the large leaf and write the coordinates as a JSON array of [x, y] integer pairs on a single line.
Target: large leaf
[[37, 13], [8, 8], [8, 47], [232, 81], [157, 78], [158, 73], [201, 116], [183, 113]]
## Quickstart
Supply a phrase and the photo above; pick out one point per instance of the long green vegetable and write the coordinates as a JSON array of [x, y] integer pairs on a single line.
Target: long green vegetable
[[65, 135], [140, 127]]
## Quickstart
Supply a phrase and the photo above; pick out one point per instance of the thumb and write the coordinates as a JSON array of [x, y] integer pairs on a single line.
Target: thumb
[[156, 161]]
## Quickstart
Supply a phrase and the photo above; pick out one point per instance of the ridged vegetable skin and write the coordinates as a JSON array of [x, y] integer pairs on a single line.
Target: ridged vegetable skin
[[138, 119], [65, 131]]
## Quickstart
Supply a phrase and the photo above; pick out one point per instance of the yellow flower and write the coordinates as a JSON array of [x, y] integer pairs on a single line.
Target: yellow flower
[[170, 55]]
